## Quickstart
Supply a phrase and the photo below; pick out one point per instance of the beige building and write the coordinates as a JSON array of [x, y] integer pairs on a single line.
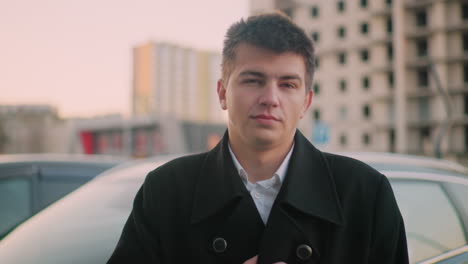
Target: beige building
[[384, 70], [31, 129], [173, 82]]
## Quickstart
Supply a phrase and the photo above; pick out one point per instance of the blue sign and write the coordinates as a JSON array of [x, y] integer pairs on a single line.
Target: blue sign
[[320, 133]]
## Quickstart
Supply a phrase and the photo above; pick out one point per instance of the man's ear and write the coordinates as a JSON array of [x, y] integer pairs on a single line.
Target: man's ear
[[307, 102], [221, 89]]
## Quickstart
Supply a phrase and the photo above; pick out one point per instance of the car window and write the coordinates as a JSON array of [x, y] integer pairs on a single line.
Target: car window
[[459, 259], [58, 180], [433, 226], [15, 202], [459, 194]]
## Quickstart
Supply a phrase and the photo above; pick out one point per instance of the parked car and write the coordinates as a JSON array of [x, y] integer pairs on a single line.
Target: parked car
[[404, 162], [30, 182], [85, 226], [456, 256]]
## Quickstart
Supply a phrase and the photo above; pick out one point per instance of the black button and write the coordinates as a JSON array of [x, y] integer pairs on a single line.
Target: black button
[[219, 245], [304, 252]]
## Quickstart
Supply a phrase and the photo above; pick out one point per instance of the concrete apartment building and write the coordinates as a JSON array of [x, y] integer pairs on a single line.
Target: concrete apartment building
[[176, 82], [387, 71]]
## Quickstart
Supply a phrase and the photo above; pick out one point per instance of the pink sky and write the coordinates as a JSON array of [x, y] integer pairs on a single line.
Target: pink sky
[[76, 55]]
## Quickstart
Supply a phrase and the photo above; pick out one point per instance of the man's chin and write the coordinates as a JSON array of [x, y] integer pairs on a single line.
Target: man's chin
[[265, 139]]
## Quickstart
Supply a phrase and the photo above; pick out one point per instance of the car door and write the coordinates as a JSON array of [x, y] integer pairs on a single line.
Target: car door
[[434, 221]]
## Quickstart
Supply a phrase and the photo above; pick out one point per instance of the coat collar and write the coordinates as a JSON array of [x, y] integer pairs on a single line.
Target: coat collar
[[308, 187], [218, 184]]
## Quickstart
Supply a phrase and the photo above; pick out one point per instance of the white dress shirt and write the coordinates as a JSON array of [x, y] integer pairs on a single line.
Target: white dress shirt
[[264, 192]]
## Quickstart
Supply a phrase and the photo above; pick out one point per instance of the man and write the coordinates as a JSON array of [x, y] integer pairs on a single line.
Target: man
[[264, 194]]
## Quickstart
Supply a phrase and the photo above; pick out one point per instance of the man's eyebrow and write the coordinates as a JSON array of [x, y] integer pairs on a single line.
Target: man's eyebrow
[[290, 76], [254, 73], [260, 74]]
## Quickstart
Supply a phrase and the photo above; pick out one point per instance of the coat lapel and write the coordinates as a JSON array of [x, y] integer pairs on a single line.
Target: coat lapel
[[223, 208], [304, 210]]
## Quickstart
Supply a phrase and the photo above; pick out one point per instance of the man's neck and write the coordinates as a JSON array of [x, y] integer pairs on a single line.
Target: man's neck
[[260, 163]]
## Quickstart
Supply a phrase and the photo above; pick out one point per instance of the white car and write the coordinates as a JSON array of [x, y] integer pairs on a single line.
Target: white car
[[30, 182], [85, 226]]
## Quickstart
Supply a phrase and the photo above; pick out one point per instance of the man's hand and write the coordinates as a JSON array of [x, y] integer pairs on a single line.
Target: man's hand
[[254, 261]]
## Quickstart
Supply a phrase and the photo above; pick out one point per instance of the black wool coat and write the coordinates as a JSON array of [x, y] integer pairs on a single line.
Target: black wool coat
[[330, 209]]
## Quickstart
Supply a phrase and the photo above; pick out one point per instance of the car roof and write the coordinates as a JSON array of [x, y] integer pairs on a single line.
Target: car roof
[[59, 158], [407, 159]]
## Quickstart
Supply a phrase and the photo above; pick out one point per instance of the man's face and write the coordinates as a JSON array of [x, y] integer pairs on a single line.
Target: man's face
[[265, 96]]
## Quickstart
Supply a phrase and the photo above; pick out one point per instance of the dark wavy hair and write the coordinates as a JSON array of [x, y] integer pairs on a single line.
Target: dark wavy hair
[[274, 31]]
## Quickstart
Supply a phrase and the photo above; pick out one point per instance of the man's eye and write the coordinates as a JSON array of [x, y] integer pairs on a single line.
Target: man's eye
[[289, 85]]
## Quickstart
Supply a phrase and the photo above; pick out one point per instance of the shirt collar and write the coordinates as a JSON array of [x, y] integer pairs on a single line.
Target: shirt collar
[[280, 172]]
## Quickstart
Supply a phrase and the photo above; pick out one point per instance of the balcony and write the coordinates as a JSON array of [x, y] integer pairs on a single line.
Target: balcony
[[380, 9], [385, 67], [420, 92], [418, 62], [420, 32], [415, 4], [456, 27]]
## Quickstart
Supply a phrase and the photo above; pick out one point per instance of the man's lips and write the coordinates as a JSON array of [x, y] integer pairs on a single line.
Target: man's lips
[[266, 117]]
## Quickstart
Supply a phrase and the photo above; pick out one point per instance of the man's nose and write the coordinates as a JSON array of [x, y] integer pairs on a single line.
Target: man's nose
[[270, 95]]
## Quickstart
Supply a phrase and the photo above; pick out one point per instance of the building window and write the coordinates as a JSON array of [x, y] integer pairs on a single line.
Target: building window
[[365, 55], [366, 139], [316, 36], [389, 25], [314, 11], [366, 111], [363, 3], [465, 99], [466, 137], [317, 114], [465, 42], [421, 18], [343, 113], [365, 82], [343, 86], [425, 132], [341, 6], [424, 108], [423, 78], [465, 73], [342, 58], [421, 47], [391, 140], [316, 89], [317, 62], [391, 80], [343, 140], [341, 32], [390, 52], [464, 11], [364, 28], [425, 136]]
